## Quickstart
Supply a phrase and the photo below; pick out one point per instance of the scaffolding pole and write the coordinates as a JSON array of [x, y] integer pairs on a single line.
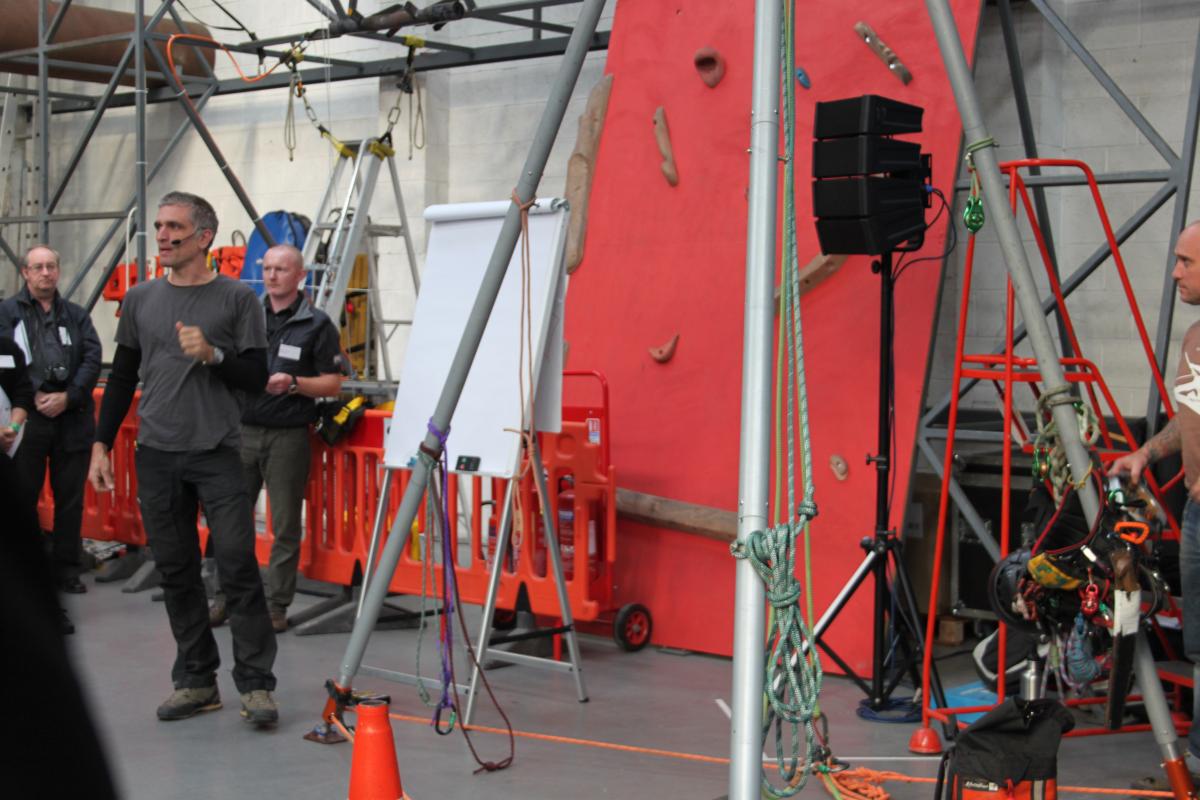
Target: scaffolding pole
[[749, 626]]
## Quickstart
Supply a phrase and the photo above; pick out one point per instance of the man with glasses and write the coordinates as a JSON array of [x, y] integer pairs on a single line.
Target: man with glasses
[[63, 355]]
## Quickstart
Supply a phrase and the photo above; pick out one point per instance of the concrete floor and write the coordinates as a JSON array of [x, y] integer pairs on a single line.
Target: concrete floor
[[123, 651]]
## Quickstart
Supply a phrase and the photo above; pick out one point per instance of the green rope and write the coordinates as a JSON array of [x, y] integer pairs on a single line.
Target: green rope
[[792, 680]]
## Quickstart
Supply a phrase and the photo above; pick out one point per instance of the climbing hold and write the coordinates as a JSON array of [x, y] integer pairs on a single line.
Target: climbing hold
[[711, 66], [886, 54], [580, 169], [802, 78], [841, 470], [663, 137], [664, 353]]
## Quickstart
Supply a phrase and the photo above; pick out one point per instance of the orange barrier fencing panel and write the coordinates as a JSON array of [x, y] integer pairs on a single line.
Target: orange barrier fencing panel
[[343, 493]]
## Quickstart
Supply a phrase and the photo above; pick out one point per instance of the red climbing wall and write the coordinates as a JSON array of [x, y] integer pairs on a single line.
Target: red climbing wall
[[662, 260]]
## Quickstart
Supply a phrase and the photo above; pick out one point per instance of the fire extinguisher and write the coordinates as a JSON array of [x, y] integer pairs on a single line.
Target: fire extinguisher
[[566, 524]]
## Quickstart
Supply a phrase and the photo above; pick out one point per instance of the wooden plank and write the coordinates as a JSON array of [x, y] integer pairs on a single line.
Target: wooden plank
[[814, 273], [663, 512]]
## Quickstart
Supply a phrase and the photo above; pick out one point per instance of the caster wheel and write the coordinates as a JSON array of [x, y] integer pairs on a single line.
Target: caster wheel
[[632, 627]]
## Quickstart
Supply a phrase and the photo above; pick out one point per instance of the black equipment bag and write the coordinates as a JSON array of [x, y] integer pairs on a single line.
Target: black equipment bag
[[1010, 752]]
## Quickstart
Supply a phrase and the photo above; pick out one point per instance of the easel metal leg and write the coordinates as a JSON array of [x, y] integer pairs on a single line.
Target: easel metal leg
[[489, 603], [560, 583], [376, 528]]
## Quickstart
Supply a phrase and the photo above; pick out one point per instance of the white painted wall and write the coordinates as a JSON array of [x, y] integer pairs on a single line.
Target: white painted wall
[[478, 122], [1147, 47]]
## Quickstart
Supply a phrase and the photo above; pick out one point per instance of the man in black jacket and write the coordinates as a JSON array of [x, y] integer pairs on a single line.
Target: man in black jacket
[[63, 357], [302, 357]]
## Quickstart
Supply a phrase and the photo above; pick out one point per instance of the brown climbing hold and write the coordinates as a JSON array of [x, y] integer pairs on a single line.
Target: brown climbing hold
[[664, 353], [580, 168], [711, 66], [663, 137], [841, 470]]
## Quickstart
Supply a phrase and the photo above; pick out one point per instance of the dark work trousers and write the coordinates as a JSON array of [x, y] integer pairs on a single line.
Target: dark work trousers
[[171, 487], [44, 442], [279, 457]]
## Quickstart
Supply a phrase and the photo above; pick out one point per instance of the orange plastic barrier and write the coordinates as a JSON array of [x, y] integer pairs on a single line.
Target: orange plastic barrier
[[124, 276], [228, 260], [343, 493]]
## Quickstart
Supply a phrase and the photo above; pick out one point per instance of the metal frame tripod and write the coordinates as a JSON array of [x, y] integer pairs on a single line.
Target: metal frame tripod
[[883, 547]]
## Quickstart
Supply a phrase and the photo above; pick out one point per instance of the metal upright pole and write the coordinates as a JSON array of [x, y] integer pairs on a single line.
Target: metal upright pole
[[745, 748], [139, 175], [531, 174], [995, 198], [43, 130]]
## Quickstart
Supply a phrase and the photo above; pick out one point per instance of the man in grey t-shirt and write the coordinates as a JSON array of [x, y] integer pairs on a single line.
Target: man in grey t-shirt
[[199, 340]]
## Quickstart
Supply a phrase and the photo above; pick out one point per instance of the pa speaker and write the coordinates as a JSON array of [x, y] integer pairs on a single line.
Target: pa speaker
[[865, 196], [869, 114], [864, 155], [871, 235], [870, 190]]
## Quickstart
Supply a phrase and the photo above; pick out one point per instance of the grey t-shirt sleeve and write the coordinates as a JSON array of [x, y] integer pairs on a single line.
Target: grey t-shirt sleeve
[[251, 323]]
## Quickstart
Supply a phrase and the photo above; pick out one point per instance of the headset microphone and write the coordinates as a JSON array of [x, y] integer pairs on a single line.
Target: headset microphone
[[177, 242]]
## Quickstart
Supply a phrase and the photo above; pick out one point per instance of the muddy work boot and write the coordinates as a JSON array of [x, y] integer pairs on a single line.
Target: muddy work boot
[[258, 707], [189, 702]]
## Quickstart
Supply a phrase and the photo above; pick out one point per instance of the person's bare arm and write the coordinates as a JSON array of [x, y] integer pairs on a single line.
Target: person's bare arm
[[1164, 443]]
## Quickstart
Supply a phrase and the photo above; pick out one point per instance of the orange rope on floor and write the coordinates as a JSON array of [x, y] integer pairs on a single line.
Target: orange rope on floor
[[853, 784], [545, 737], [857, 778]]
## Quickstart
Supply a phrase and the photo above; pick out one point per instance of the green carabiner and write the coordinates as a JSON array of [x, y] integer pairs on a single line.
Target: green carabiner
[[973, 216]]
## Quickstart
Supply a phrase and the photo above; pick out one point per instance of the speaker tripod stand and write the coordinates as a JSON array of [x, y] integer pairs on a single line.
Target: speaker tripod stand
[[894, 608]]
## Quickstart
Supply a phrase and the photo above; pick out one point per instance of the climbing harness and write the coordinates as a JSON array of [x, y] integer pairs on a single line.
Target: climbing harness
[[792, 681]]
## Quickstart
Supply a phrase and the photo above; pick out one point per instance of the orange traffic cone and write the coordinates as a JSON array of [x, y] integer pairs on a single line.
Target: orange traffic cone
[[374, 774]]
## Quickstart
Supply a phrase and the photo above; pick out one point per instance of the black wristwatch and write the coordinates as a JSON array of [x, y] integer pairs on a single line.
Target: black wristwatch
[[295, 387]]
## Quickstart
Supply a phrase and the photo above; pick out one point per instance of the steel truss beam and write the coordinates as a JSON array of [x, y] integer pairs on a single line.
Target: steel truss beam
[[1176, 182], [493, 54], [202, 88]]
